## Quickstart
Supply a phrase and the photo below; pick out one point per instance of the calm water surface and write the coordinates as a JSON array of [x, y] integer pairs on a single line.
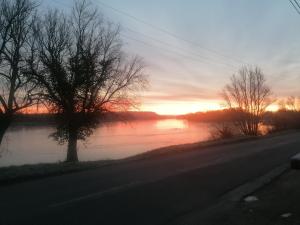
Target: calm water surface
[[30, 144]]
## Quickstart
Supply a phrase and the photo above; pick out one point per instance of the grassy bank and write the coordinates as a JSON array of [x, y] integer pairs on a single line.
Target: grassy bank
[[13, 174]]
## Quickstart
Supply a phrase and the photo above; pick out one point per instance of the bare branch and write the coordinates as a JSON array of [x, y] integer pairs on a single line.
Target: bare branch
[[248, 95], [78, 66]]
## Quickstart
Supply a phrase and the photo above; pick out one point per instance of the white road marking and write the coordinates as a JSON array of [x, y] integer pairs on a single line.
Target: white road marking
[[97, 194]]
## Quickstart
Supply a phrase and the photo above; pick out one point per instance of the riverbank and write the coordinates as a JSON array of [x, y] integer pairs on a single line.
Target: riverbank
[[13, 174]]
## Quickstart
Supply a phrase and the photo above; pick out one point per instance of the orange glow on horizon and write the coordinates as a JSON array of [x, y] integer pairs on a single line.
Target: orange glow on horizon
[[168, 108], [35, 110], [180, 108]]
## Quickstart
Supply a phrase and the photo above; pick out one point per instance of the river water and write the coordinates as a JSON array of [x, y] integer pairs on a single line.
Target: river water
[[111, 140]]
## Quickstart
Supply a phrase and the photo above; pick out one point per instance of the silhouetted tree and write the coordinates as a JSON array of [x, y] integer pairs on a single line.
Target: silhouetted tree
[[222, 130], [248, 95], [81, 71], [287, 116], [15, 30], [293, 103], [290, 103]]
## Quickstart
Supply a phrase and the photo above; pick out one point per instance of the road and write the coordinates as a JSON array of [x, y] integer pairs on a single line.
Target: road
[[152, 191]]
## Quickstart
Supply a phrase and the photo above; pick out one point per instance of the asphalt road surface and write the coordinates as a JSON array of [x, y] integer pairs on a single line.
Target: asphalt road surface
[[153, 191]]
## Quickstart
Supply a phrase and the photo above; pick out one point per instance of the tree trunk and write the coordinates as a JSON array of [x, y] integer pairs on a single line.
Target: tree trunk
[[2, 132], [72, 146], [4, 124]]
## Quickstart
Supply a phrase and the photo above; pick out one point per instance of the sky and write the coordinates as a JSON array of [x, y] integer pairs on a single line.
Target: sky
[[192, 47]]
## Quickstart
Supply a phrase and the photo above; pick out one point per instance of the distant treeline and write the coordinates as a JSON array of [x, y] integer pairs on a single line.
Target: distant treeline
[[225, 115], [42, 119], [283, 119], [280, 120]]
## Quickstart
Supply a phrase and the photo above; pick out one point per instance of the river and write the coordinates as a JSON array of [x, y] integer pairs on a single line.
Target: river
[[111, 140]]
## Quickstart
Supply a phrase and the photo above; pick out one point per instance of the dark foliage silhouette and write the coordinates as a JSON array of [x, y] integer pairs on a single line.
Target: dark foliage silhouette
[[288, 115], [81, 72], [16, 91]]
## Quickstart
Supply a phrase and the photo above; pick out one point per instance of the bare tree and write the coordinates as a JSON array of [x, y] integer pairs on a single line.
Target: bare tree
[[292, 103], [78, 64], [248, 94], [15, 28]]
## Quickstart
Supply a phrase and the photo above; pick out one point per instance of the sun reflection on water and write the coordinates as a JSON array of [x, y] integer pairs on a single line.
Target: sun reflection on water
[[170, 124]]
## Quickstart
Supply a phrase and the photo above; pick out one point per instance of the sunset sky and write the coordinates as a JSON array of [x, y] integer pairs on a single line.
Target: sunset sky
[[192, 47]]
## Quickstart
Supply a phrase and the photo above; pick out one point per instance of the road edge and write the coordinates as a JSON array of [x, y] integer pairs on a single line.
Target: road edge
[[231, 198]]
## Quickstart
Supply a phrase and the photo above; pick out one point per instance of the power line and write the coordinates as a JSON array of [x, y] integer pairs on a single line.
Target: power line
[[174, 53], [166, 31], [296, 6], [297, 3], [195, 57], [176, 47]]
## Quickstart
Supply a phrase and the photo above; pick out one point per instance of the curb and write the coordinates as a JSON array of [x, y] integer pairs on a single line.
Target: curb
[[229, 200], [295, 162]]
